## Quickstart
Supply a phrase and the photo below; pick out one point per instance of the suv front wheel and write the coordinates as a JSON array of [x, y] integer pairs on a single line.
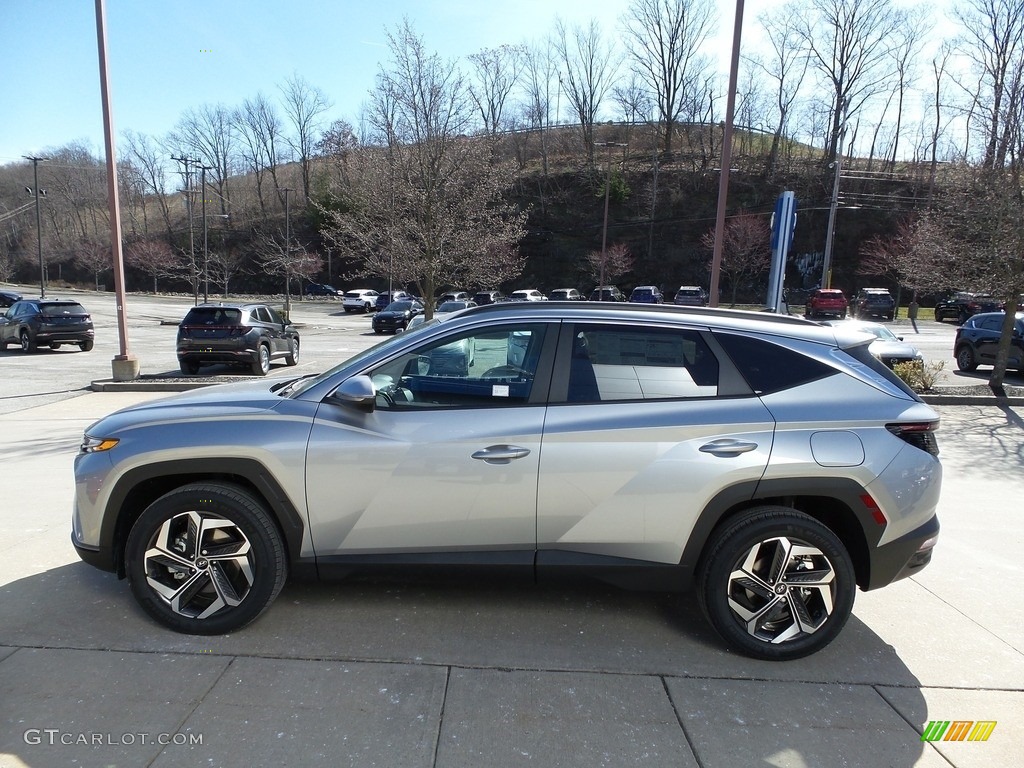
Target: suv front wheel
[[776, 584], [205, 559]]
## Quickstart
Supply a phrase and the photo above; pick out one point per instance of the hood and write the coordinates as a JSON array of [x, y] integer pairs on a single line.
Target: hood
[[220, 400], [893, 349]]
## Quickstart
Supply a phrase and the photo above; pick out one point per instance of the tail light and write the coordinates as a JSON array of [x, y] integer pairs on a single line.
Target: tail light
[[920, 434]]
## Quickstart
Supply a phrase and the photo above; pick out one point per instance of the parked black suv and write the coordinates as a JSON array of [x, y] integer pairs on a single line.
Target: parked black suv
[[874, 302], [489, 297], [236, 334], [962, 305], [607, 293], [977, 340], [7, 298], [36, 323], [322, 289]]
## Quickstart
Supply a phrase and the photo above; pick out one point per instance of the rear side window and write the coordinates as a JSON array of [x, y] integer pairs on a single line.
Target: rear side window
[[769, 367], [630, 363]]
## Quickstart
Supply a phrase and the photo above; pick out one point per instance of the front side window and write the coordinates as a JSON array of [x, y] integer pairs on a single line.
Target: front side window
[[494, 367], [628, 363]]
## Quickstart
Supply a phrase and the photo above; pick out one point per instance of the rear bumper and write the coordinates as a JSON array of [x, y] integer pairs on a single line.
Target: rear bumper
[[905, 556]]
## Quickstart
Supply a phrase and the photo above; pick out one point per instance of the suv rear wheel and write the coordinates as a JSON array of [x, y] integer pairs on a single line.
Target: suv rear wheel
[[205, 559], [292, 358], [965, 360], [261, 365], [776, 584]]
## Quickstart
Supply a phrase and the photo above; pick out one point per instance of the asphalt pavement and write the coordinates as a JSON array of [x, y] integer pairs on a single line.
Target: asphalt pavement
[[488, 674]]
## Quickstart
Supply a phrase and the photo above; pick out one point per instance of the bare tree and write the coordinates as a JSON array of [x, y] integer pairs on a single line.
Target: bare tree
[[589, 65], [286, 260], [429, 206], [541, 93], [746, 249], [849, 43], [497, 72], [786, 66], [664, 39], [208, 133], [304, 105], [94, 256], [156, 259], [993, 39], [261, 132], [148, 158], [224, 265], [611, 264]]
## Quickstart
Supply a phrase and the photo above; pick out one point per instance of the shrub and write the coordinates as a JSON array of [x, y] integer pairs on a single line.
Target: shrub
[[920, 377]]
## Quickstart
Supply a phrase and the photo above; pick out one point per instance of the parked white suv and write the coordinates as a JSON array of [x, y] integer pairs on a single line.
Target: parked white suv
[[359, 300], [528, 294], [646, 445]]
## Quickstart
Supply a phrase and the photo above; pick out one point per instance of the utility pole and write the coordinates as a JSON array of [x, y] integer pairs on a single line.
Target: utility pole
[[186, 160], [287, 252], [206, 244], [39, 222], [723, 179], [826, 266], [604, 229]]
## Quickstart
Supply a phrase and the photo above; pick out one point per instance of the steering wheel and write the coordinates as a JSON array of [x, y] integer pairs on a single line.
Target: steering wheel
[[505, 372], [393, 393]]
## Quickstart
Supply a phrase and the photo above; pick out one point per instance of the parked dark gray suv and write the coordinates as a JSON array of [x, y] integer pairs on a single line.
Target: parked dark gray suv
[[250, 335], [34, 323], [644, 445]]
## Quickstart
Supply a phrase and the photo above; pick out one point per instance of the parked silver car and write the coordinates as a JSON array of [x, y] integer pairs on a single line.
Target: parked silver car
[[646, 445]]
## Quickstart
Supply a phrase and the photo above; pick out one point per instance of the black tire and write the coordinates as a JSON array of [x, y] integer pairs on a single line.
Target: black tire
[[965, 359], [261, 365], [86, 346], [55, 346], [189, 367], [938, 316], [28, 344], [292, 358], [176, 585], [750, 544]]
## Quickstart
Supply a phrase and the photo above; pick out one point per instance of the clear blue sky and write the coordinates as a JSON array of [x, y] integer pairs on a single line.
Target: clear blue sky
[[166, 56]]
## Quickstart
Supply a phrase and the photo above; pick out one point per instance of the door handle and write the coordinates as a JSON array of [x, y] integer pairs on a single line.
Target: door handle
[[501, 454], [727, 446]]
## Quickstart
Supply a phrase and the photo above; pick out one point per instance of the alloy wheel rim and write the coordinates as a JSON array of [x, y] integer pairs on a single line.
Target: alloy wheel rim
[[199, 565], [782, 589]]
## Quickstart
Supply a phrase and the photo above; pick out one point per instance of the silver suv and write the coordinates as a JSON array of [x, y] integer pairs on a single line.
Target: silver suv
[[770, 462]]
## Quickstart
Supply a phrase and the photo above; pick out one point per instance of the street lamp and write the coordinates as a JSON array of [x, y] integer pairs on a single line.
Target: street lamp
[[604, 230], [39, 221]]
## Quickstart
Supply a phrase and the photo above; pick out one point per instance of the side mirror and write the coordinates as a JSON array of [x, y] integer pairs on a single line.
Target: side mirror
[[357, 392]]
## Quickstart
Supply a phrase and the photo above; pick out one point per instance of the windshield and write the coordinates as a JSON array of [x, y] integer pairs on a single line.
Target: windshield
[[399, 306]]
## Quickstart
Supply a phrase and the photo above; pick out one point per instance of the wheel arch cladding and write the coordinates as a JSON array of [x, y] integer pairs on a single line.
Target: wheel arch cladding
[[835, 502], [138, 488]]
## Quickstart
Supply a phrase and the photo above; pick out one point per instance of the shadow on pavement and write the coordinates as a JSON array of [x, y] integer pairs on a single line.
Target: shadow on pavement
[[523, 663]]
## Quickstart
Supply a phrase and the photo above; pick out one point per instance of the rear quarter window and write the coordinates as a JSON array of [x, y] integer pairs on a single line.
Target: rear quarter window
[[769, 367]]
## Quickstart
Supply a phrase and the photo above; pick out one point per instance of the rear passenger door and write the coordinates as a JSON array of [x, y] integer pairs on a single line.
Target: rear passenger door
[[645, 425]]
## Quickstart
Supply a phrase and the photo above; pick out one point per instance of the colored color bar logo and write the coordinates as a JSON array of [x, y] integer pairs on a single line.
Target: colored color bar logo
[[958, 730]]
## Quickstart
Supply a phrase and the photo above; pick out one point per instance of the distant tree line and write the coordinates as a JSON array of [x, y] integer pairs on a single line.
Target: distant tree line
[[439, 185]]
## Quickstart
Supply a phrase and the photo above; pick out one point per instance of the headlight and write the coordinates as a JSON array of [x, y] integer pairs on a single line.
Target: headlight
[[97, 444]]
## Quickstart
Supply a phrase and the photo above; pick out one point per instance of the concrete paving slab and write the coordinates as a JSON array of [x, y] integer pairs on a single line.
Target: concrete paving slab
[[274, 712], [64, 707], [5, 652], [795, 725], [1003, 747], [499, 718], [909, 616]]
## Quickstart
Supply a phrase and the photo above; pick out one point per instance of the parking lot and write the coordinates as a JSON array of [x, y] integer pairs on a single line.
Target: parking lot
[[483, 674]]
